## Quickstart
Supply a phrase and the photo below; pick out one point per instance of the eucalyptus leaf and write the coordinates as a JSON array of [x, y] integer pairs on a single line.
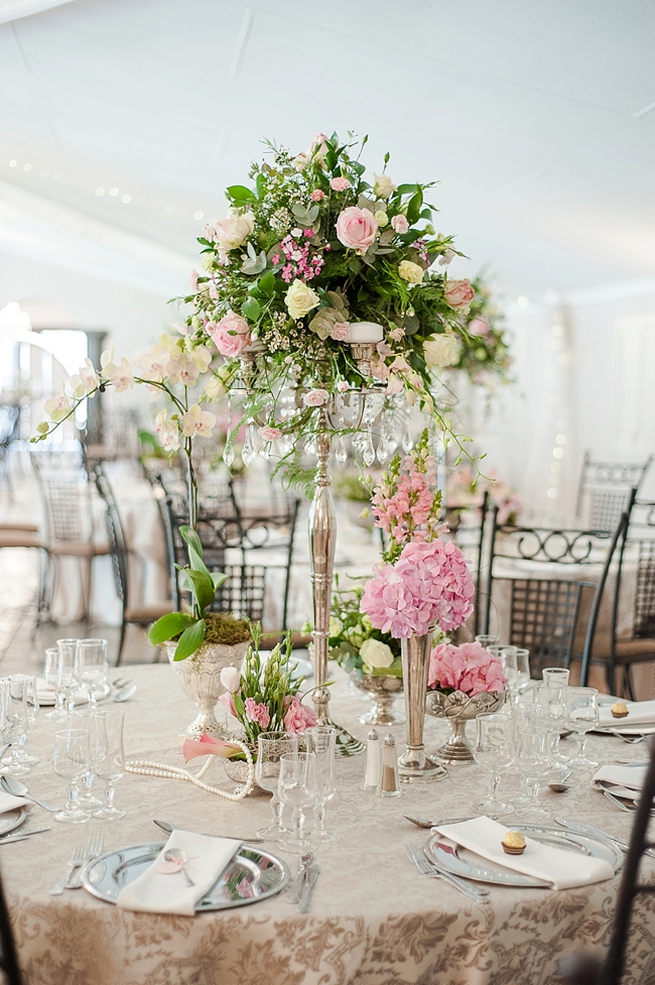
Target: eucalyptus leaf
[[254, 266]]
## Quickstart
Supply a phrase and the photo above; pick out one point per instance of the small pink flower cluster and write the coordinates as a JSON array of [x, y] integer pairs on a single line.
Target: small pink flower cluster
[[404, 511], [468, 668], [297, 716], [429, 585], [302, 262]]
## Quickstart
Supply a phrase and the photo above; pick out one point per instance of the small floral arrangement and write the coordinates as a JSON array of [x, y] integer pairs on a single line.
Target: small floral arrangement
[[469, 668], [425, 581], [484, 353], [355, 643], [464, 487], [266, 698]]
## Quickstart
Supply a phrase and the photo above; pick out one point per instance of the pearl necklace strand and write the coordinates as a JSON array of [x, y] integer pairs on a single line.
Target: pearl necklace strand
[[146, 768]]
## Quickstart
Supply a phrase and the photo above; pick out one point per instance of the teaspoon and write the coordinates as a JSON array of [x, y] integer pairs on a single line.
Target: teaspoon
[[18, 789], [180, 858]]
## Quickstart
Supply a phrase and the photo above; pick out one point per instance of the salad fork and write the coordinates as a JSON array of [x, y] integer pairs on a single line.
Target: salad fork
[[428, 868], [76, 859], [93, 848]]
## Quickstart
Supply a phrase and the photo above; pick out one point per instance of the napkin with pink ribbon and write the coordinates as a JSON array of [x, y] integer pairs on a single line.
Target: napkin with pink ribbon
[[561, 868], [163, 887]]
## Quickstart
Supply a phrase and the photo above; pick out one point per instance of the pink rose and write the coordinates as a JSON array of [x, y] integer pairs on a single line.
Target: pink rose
[[477, 326], [357, 228], [230, 335], [298, 716], [399, 224], [339, 184], [340, 331], [257, 712], [316, 397], [268, 433], [343, 385], [459, 294], [317, 195]]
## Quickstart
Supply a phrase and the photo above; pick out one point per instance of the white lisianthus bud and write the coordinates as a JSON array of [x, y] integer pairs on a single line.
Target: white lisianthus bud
[[382, 219]]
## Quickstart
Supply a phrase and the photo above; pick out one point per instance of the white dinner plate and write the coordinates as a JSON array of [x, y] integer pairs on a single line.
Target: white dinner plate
[[47, 696]]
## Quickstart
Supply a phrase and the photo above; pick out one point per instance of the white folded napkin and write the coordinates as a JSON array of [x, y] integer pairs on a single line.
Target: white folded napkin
[[561, 868], [46, 693], [624, 781], [9, 803], [639, 713], [162, 888]]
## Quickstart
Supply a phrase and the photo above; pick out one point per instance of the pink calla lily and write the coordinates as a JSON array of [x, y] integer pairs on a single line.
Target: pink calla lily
[[207, 745]]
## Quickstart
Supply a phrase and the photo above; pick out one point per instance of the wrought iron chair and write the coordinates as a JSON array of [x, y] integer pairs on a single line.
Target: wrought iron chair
[[582, 969], [604, 490], [67, 497], [467, 524], [140, 615], [10, 973], [539, 577]]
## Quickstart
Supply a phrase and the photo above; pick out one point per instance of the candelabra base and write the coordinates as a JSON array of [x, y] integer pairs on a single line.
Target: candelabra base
[[346, 744]]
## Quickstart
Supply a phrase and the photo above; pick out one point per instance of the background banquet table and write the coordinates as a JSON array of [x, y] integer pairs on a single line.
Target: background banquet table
[[373, 920]]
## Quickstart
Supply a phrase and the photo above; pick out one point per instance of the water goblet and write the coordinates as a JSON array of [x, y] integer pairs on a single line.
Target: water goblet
[[298, 788], [67, 678], [70, 760], [581, 717], [51, 657], [516, 666], [486, 640], [92, 668], [14, 727], [493, 751], [534, 763], [321, 740], [31, 713], [270, 747], [108, 758]]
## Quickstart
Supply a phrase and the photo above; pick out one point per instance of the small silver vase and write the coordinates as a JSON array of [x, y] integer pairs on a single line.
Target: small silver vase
[[381, 689], [200, 678], [414, 765], [459, 708]]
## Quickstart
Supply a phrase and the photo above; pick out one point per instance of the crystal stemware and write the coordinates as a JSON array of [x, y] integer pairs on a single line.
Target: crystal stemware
[[108, 758], [50, 661], [67, 677], [14, 728], [92, 668], [493, 751], [21, 755], [270, 747], [70, 760], [321, 741], [298, 787], [581, 717]]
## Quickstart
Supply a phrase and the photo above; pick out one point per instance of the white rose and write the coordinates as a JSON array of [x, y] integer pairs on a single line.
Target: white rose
[[300, 299], [376, 654], [234, 230], [441, 350], [411, 272], [383, 186], [335, 626]]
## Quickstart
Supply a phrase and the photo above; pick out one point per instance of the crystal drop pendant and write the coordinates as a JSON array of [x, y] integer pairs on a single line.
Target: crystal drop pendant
[[369, 451], [248, 452], [382, 452], [228, 455], [341, 452]]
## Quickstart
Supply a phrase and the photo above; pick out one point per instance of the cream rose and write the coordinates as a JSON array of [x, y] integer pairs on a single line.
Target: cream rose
[[300, 299], [383, 186], [357, 228], [376, 654], [459, 294], [411, 272], [234, 229], [441, 350]]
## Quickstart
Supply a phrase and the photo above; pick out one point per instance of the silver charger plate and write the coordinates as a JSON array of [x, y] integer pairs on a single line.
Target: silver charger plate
[[252, 875], [10, 820], [462, 862]]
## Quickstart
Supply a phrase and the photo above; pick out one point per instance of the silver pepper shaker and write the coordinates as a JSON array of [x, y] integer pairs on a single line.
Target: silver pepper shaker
[[373, 761], [388, 785]]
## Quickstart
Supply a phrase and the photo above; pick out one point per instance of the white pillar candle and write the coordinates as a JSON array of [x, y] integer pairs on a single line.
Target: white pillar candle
[[365, 331]]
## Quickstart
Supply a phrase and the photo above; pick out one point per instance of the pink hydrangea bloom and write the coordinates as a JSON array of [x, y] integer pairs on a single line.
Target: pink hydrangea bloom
[[469, 668], [257, 712]]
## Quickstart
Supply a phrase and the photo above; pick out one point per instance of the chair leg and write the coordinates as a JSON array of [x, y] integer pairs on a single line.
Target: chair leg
[[121, 638]]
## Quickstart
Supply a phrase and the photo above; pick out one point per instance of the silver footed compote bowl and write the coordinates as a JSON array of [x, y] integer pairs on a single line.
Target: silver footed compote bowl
[[459, 708], [382, 689]]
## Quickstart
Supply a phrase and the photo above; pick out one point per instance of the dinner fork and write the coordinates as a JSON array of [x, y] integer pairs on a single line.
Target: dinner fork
[[93, 848], [76, 859], [428, 868]]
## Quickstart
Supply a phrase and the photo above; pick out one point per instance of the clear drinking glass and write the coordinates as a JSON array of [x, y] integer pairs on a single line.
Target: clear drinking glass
[[581, 717], [71, 759], [31, 713], [533, 763], [321, 740], [298, 788], [516, 665], [51, 657], [92, 668], [108, 758], [555, 682], [15, 724], [270, 747], [486, 640], [68, 681], [493, 750]]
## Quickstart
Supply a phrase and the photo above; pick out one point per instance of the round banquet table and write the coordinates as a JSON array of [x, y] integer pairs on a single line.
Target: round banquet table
[[373, 920]]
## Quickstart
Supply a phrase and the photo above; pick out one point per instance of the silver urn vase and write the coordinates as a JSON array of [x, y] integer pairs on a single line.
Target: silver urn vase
[[200, 678], [459, 708], [381, 689], [414, 764]]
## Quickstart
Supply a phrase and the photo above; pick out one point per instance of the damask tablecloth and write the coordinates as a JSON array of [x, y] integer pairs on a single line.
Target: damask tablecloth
[[374, 919]]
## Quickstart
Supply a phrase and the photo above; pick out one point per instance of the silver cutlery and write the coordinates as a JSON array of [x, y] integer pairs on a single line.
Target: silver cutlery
[[169, 828], [303, 865], [14, 835], [124, 694], [178, 857], [428, 868], [424, 822], [597, 833], [93, 848], [613, 799], [18, 789], [75, 861], [120, 682], [308, 886]]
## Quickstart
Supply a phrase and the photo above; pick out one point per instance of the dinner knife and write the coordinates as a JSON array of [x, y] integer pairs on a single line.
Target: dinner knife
[[308, 886], [169, 828], [588, 829], [6, 839]]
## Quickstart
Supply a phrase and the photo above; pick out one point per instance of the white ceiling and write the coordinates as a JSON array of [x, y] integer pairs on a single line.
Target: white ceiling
[[538, 119]]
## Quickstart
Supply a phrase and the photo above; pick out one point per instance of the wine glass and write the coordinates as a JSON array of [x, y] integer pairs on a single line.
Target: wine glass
[[270, 747], [486, 640], [50, 678], [581, 717], [67, 678], [516, 666], [108, 758], [534, 763], [15, 724], [31, 714], [298, 787], [555, 683], [70, 760], [321, 740], [493, 751], [92, 667]]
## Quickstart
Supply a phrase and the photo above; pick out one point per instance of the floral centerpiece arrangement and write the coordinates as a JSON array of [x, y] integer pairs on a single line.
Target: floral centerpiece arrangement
[[355, 643], [266, 698], [484, 351], [464, 487]]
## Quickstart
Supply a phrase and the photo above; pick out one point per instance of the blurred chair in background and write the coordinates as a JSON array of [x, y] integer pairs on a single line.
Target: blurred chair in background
[[604, 490]]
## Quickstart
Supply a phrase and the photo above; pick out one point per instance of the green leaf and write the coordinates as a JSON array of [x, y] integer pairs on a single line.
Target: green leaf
[[218, 577], [190, 640], [240, 195], [355, 265], [406, 189], [168, 626], [414, 207], [251, 309], [191, 538], [202, 586], [260, 184], [267, 284]]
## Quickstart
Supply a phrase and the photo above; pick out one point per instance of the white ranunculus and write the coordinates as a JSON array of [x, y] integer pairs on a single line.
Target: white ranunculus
[[441, 350], [300, 299], [376, 654], [234, 229]]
